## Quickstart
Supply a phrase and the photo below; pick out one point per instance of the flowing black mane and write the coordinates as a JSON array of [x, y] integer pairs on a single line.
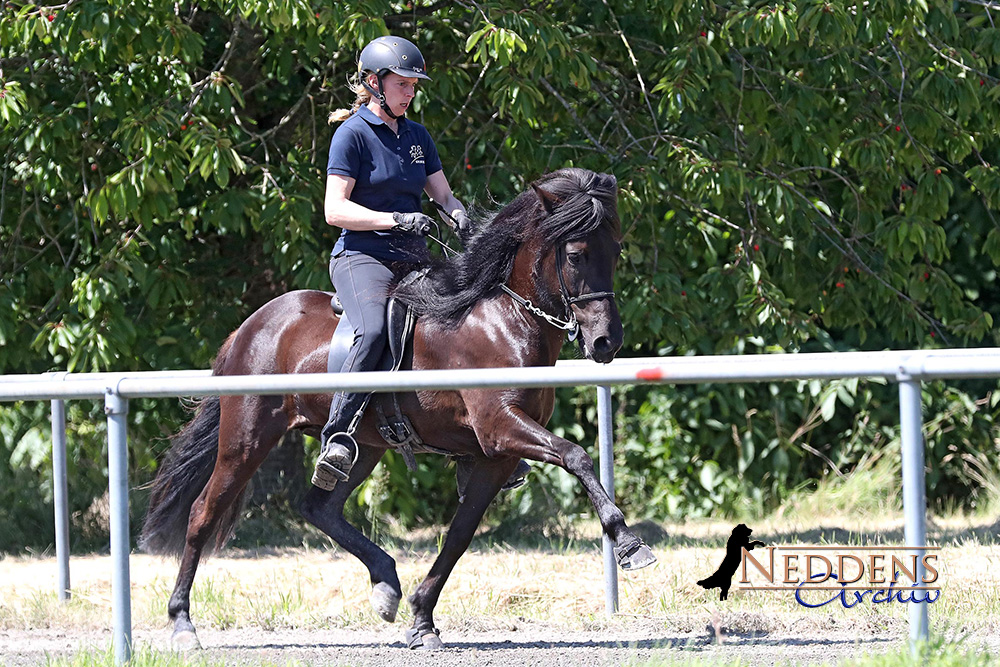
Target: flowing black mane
[[582, 201]]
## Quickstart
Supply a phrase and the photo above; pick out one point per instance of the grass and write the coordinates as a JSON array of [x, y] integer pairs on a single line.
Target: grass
[[147, 657], [872, 489], [498, 584]]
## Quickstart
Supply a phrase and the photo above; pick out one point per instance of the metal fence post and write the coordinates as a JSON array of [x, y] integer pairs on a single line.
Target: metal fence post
[[605, 441], [116, 408], [914, 502], [60, 497]]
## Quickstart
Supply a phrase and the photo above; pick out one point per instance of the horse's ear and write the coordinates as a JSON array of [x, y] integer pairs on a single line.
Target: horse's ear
[[547, 199]]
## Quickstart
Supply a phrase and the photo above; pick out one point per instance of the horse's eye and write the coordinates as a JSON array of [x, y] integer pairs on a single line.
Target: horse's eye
[[574, 258]]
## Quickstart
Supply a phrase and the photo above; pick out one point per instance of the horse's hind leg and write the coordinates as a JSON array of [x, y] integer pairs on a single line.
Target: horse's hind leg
[[485, 480], [325, 510], [243, 445]]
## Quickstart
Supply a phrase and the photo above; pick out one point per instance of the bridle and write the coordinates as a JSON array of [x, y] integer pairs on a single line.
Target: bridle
[[570, 325]]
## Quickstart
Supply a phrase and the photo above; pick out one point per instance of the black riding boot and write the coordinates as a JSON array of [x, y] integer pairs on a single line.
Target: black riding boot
[[335, 461], [340, 450]]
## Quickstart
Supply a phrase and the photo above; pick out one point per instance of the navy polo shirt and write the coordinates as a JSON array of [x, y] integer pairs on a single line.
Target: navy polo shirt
[[389, 173]]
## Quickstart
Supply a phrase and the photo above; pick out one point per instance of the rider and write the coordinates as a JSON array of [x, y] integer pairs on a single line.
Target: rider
[[379, 163]]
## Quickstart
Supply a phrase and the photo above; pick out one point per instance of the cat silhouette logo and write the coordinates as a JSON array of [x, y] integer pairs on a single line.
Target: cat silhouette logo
[[723, 577]]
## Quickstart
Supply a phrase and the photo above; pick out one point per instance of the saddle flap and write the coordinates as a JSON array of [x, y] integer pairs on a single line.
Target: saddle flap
[[400, 322]]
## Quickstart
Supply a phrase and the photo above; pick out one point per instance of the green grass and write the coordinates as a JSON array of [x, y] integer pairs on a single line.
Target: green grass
[[148, 657], [873, 488]]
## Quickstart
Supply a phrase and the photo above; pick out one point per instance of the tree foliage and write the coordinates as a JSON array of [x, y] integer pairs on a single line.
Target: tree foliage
[[792, 174]]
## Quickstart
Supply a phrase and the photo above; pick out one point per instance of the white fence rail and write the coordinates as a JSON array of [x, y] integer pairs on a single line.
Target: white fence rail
[[907, 367]]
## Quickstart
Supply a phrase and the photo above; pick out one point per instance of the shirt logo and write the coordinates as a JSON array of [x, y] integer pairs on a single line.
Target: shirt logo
[[417, 153]]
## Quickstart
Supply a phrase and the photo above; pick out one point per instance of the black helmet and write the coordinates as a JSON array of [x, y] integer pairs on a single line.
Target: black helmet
[[390, 54], [393, 54]]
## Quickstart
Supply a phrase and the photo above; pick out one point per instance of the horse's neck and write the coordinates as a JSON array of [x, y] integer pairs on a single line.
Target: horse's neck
[[546, 339], [513, 336], [542, 290]]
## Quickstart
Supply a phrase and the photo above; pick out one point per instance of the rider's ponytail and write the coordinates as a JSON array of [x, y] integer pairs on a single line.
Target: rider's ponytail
[[361, 98]]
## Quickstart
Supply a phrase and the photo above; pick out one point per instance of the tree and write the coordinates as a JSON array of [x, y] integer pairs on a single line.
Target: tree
[[792, 174]]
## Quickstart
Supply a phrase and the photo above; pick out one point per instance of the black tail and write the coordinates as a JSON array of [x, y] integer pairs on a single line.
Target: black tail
[[182, 476]]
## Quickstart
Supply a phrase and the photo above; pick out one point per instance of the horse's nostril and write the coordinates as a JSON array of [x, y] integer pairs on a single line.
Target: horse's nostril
[[602, 344]]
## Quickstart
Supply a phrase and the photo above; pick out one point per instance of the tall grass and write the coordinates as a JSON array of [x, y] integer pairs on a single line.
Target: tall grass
[[872, 489]]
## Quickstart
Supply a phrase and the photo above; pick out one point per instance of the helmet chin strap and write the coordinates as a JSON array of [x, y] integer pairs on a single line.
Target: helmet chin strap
[[378, 95]]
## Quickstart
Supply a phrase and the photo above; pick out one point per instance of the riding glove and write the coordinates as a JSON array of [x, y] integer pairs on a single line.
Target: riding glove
[[415, 223], [462, 221]]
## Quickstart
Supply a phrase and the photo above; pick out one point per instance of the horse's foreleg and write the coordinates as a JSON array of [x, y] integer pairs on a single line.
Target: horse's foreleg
[[485, 480], [514, 433], [325, 510]]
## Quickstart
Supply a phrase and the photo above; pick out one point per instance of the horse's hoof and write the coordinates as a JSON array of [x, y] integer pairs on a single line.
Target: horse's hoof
[[385, 601], [431, 643], [423, 640], [635, 556], [185, 640]]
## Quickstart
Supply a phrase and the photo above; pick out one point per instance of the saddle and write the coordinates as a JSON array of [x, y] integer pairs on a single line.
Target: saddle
[[394, 428]]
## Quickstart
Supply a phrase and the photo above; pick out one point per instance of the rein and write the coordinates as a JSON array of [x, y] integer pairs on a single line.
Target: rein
[[571, 326]]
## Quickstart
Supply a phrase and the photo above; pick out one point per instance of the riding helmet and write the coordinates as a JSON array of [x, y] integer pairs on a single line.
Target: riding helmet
[[392, 54]]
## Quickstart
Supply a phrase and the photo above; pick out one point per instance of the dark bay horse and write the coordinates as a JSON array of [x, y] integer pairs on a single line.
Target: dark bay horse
[[556, 246]]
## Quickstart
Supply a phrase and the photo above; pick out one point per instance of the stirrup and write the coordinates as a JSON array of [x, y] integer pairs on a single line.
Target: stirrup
[[518, 478], [335, 462]]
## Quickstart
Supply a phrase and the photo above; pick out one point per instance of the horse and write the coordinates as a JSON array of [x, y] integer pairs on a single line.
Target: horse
[[552, 250]]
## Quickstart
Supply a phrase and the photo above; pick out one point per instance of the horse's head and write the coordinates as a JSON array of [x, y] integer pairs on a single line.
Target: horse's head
[[579, 266]]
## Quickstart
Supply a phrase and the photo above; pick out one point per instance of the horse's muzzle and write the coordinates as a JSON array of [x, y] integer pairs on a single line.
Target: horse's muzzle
[[601, 332], [603, 349]]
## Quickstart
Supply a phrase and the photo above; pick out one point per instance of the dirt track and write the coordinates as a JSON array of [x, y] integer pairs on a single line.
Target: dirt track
[[529, 644]]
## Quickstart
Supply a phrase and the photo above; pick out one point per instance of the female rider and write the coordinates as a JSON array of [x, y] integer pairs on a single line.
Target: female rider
[[379, 163]]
